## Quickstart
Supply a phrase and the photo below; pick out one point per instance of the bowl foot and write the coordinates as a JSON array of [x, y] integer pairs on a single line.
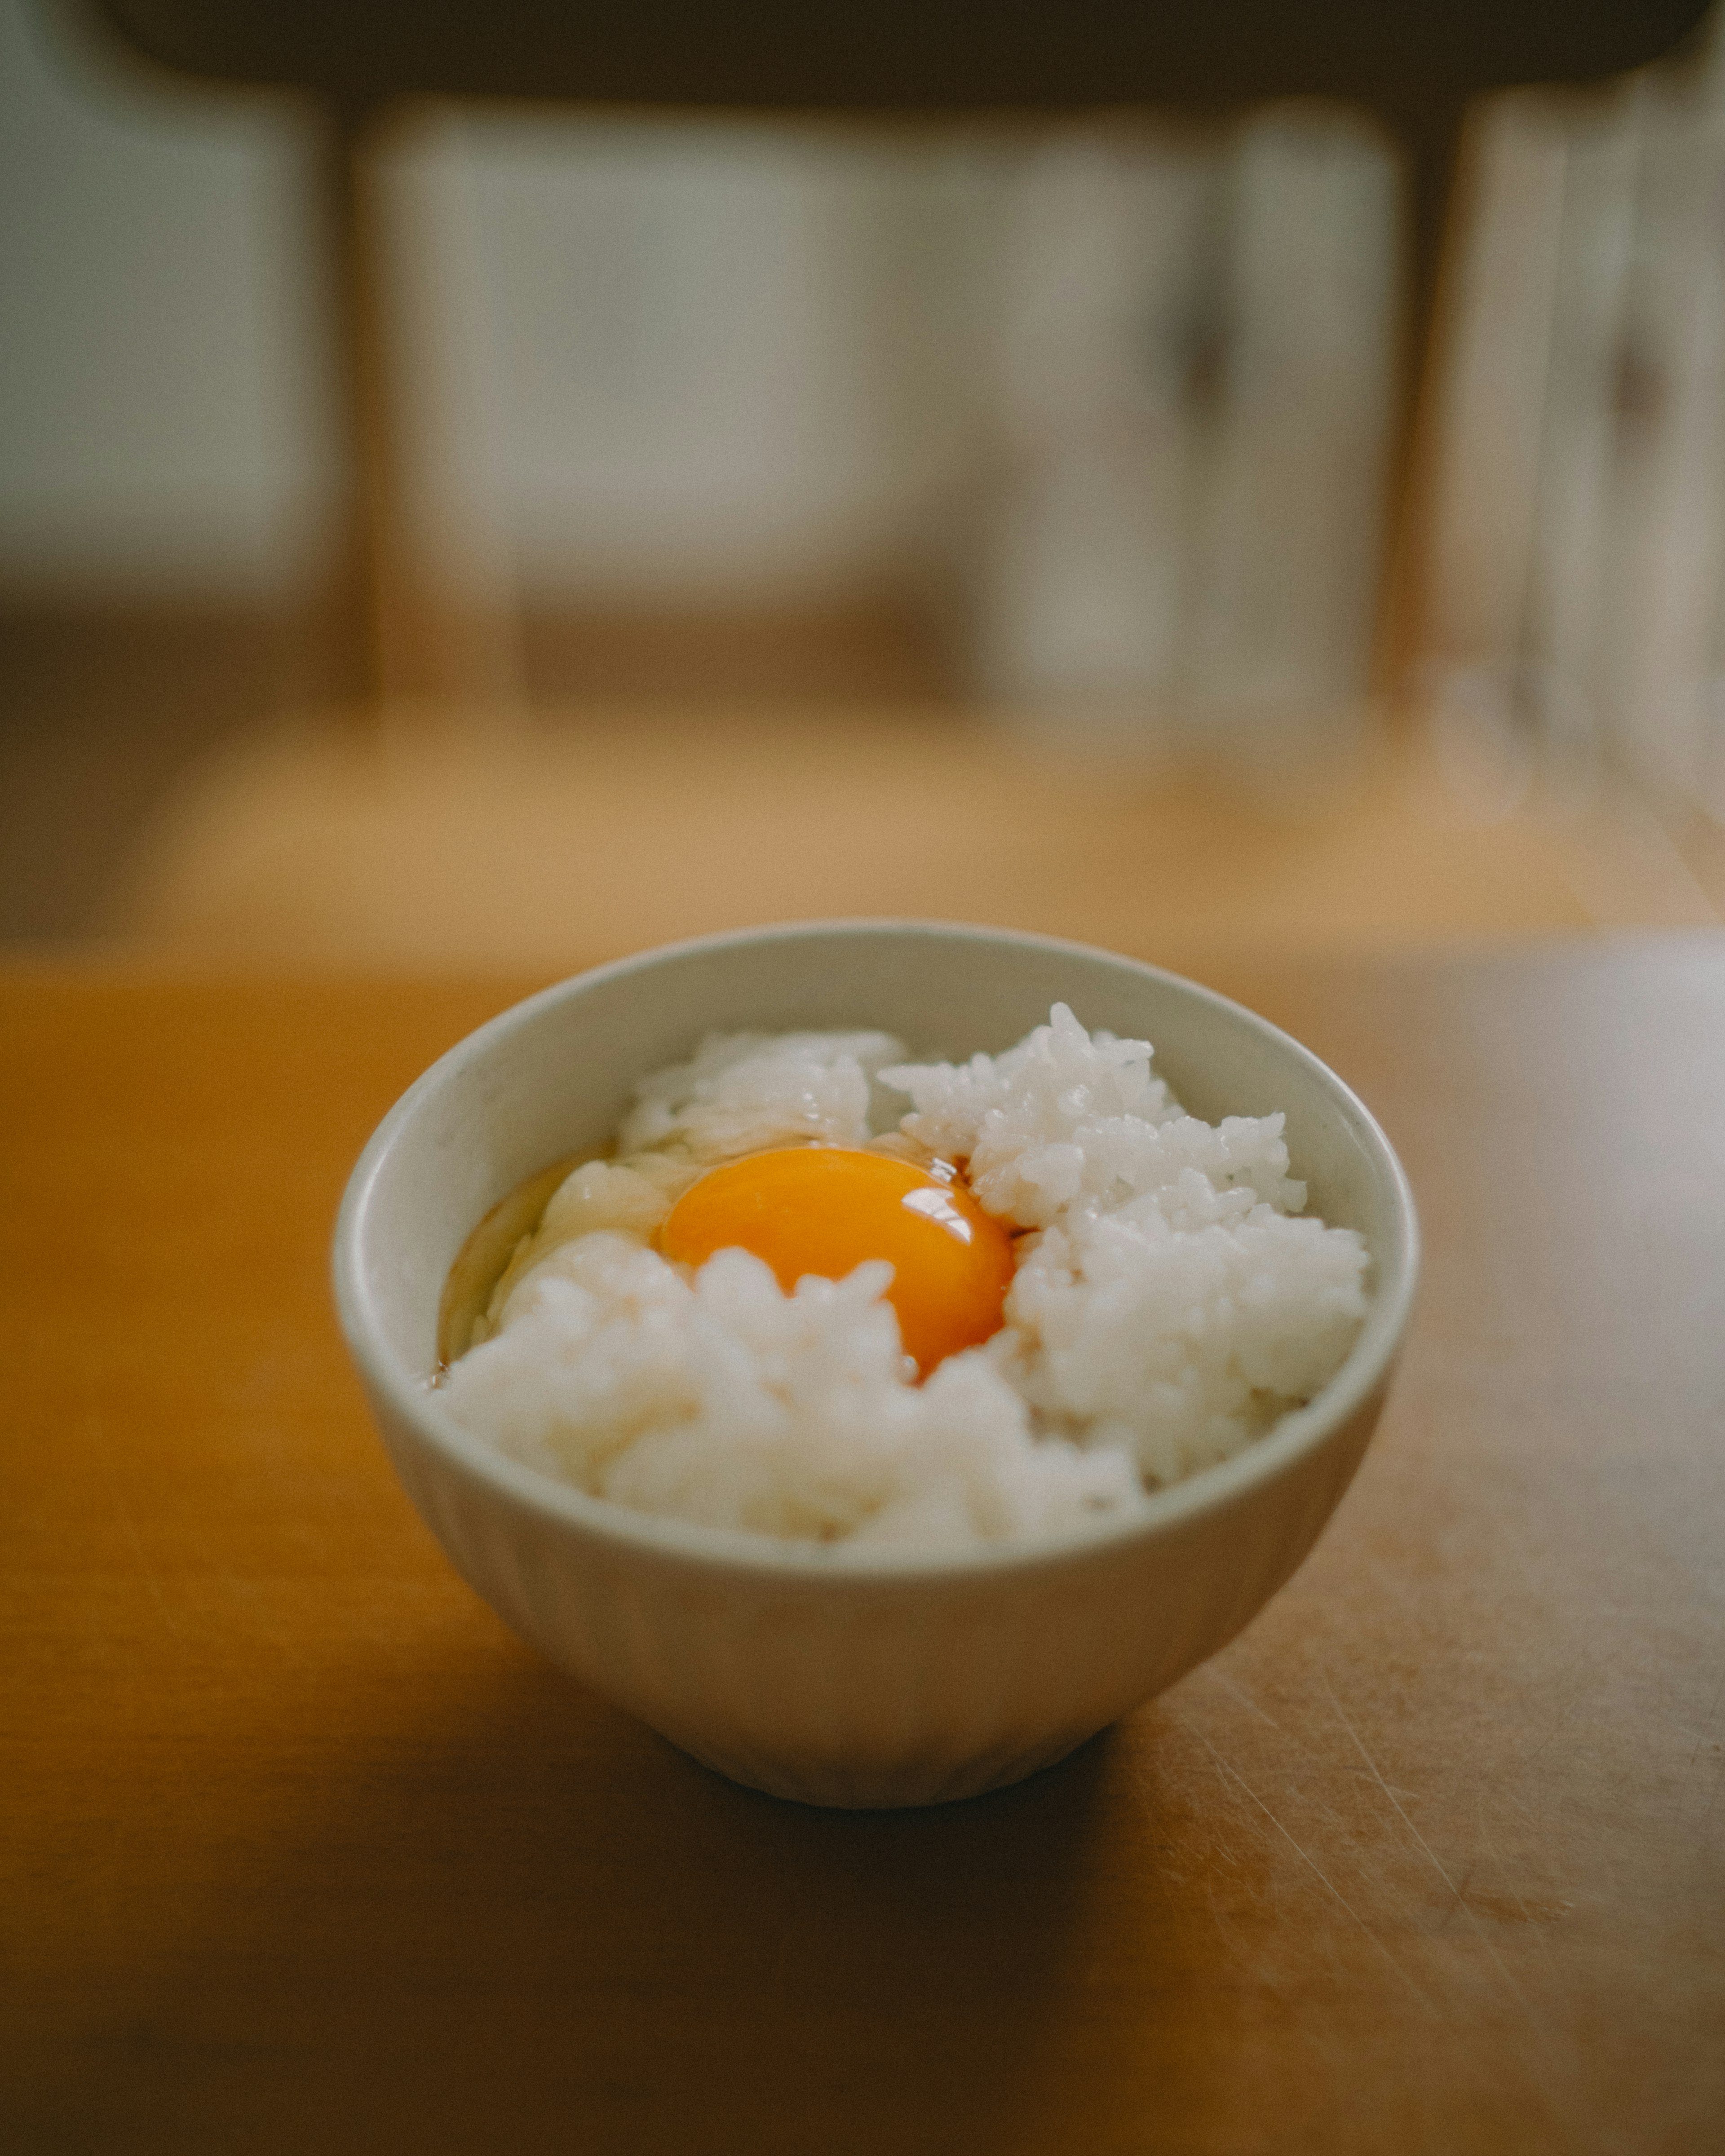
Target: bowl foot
[[895, 1785]]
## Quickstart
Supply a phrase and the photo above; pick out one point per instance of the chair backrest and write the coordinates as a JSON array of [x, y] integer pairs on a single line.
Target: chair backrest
[[906, 55]]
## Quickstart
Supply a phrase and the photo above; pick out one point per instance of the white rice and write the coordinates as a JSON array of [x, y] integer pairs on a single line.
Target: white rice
[[1172, 1304]]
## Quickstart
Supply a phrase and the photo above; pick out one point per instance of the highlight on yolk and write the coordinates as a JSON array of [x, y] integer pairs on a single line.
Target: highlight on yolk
[[824, 1209]]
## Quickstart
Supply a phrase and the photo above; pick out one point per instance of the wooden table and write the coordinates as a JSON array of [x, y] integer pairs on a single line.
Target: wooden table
[[303, 1851]]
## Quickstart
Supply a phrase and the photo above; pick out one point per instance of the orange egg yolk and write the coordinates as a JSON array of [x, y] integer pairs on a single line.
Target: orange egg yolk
[[824, 1209]]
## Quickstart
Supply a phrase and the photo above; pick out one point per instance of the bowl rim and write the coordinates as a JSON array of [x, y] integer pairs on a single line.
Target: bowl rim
[[415, 1402]]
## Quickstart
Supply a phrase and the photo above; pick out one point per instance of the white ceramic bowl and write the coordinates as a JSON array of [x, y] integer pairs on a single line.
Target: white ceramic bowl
[[804, 1671]]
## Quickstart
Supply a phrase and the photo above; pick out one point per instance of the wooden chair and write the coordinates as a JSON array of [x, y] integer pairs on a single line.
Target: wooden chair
[[387, 851], [1415, 67]]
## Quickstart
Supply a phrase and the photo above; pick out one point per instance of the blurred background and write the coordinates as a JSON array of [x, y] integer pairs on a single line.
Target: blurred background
[[1019, 521]]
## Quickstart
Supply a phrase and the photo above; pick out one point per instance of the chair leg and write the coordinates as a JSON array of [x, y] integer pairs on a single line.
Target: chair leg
[[399, 628], [359, 578], [1431, 137]]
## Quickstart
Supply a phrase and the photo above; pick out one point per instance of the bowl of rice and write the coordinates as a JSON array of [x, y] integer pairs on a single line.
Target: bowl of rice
[[877, 1354]]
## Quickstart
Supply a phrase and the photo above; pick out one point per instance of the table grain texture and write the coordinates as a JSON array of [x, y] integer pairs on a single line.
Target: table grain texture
[[301, 1850]]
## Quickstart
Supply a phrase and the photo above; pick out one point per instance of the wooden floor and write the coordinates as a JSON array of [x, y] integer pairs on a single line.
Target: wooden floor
[[103, 708]]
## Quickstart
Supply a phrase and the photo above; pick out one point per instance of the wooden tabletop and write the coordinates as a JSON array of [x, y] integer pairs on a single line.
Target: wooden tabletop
[[302, 1850]]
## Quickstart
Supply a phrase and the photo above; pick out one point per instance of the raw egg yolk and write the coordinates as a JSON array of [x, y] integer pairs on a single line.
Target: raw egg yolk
[[824, 1209]]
